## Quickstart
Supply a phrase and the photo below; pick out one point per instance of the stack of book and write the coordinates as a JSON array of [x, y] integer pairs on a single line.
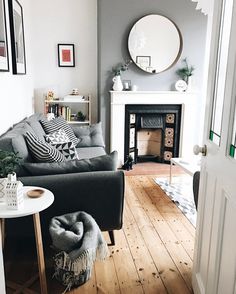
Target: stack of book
[[59, 110]]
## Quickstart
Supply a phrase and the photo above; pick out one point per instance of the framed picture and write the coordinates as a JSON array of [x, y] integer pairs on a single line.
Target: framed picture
[[66, 55], [126, 85], [143, 61], [17, 37], [4, 62]]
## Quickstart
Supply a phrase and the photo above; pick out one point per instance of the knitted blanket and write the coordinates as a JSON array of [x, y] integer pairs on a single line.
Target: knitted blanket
[[79, 241]]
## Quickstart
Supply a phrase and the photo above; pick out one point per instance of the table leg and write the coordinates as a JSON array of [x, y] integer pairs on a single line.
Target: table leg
[[39, 245], [2, 276]]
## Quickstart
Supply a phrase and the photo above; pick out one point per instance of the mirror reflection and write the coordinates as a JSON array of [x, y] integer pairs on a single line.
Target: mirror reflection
[[155, 43]]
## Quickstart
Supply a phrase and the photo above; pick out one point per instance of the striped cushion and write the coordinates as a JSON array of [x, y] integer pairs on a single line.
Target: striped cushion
[[59, 123], [42, 151]]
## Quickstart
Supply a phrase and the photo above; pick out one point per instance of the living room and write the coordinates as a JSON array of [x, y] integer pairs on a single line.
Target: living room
[[145, 257]]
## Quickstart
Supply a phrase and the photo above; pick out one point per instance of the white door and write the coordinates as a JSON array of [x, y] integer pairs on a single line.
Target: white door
[[214, 270]]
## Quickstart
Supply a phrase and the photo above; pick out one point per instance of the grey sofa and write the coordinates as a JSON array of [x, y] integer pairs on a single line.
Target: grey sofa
[[91, 184]]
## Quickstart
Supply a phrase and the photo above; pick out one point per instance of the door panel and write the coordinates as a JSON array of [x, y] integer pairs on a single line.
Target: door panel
[[214, 267]]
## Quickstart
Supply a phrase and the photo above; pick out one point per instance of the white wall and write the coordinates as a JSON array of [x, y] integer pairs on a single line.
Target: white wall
[[71, 22], [16, 91]]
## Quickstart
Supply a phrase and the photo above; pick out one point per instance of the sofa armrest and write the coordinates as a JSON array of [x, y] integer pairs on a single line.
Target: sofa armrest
[[100, 194]]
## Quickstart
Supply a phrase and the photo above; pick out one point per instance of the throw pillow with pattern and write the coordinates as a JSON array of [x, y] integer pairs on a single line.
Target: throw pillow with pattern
[[43, 151], [67, 149], [59, 123], [59, 136]]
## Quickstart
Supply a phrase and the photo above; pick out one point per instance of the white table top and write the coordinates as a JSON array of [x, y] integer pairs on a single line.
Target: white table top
[[31, 205], [190, 165]]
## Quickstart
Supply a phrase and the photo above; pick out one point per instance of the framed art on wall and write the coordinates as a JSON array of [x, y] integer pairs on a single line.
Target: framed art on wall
[[4, 63], [143, 61], [66, 55], [17, 37]]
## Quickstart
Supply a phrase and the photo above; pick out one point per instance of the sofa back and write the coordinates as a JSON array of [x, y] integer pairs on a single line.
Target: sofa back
[[14, 140]]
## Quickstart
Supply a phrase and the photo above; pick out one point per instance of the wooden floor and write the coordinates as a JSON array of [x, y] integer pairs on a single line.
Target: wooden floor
[[153, 251]]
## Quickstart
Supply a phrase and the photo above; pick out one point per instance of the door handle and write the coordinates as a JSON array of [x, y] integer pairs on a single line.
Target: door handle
[[197, 150]]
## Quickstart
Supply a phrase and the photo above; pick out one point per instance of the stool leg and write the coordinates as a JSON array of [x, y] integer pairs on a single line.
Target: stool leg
[[39, 246], [112, 238]]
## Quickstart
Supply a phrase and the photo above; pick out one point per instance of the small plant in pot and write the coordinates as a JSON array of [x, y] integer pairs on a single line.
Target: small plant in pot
[[186, 71], [81, 116], [8, 164]]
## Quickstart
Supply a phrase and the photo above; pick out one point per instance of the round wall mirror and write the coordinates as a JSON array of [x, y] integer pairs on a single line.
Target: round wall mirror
[[154, 43]]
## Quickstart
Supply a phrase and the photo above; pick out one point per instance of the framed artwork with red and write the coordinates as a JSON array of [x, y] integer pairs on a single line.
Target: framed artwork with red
[[66, 55]]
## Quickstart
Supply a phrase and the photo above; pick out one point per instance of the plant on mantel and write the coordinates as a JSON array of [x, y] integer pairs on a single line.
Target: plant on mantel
[[186, 71], [8, 162], [116, 70]]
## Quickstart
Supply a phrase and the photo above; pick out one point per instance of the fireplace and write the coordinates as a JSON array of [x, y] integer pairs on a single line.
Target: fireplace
[[152, 132], [188, 118]]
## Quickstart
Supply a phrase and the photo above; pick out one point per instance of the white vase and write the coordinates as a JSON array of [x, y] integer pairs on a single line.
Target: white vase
[[3, 182], [117, 84]]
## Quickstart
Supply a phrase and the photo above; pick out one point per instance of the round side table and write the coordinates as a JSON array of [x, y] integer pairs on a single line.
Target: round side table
[[32, 206]]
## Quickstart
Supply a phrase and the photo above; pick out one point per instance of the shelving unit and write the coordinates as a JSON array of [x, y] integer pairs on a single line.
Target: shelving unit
[[69, 107]]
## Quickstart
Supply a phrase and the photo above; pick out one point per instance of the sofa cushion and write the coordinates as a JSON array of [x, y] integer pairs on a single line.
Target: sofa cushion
[[43, 151], [106, 162], [67, 149], [90, 152], [59, 136], [14, 141], [89, 135], [59, 123], [33, 121]]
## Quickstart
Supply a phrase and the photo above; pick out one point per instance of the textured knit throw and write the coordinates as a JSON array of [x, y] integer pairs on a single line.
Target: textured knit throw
[[79, 241]]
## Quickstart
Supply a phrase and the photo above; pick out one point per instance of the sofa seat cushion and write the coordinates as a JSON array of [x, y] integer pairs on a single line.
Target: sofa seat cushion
[[106, 162], [43, 151], [59, 123], [90, 136], [90, 152]]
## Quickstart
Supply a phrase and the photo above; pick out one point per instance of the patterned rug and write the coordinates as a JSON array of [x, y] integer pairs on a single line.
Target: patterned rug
[[181, 193]]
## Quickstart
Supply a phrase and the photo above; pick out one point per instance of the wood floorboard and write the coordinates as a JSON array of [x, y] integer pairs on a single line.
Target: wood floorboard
[[153, 252]]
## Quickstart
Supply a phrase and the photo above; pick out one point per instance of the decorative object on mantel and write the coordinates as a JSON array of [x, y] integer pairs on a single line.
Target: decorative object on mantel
[[126, 85], [181, 86], [116, 70], [186, 73], [8, 163]]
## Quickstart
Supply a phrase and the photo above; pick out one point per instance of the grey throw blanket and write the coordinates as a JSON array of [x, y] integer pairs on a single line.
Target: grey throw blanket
[[79, 241]]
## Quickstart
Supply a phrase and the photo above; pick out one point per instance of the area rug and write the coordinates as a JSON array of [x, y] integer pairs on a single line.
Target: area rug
[[181, 193]]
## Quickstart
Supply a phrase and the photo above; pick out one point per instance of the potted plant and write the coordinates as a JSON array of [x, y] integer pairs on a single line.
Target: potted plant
[[116, 70], [186, 71], [8, 164]]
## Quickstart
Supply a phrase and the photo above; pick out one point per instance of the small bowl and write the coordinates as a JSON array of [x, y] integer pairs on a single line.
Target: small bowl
[[35, 193]]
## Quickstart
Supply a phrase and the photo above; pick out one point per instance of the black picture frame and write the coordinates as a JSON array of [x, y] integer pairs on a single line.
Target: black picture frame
[[66, 55], [4, 59], [17, 37]]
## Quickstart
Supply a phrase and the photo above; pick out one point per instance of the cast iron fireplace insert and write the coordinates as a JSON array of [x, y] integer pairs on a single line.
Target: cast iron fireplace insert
[[163, 117]]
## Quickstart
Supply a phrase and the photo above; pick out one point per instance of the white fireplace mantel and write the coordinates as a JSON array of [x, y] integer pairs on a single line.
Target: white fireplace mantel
[[188, 116]]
